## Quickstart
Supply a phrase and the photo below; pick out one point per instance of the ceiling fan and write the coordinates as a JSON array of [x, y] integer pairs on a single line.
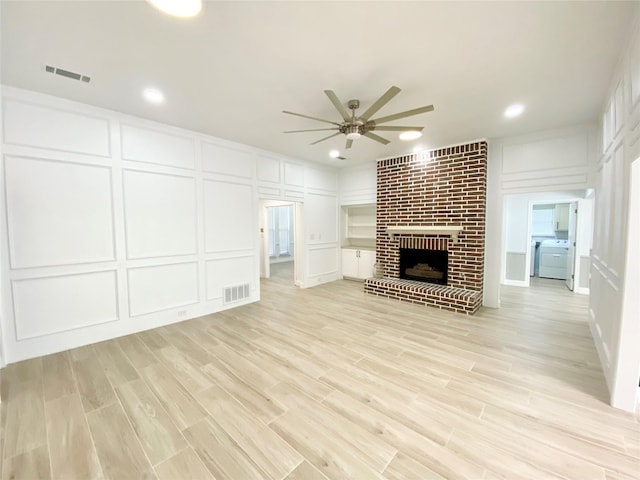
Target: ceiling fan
[[354, 127]]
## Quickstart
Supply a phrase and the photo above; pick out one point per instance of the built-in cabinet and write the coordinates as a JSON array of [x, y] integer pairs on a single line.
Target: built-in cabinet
[[358, 240], [358, 263], [561, 217]]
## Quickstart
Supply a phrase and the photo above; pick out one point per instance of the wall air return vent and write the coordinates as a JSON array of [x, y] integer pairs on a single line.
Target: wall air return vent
[[236, 293], [67, 73]]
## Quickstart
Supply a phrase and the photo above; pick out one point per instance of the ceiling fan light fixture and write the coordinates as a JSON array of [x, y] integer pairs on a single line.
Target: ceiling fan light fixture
[[353, 132], [178, 8], [334, 153], [410, 135]]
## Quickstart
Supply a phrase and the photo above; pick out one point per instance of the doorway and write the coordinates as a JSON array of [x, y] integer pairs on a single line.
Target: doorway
[[279, 240], [548, 235]]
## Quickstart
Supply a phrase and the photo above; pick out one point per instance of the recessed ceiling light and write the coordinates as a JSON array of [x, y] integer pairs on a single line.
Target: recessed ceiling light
[[178, 8], [410, 135], [334, 153], [514, 110], [153, 95]]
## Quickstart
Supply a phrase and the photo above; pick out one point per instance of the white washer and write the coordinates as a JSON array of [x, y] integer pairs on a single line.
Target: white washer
[[553, 259]]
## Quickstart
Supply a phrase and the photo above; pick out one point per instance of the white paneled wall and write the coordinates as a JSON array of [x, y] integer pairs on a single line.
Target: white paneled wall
[[317, 190], [160, 214], [116, 224], [57, 303], [358, 185], [614, 304], [527, 166], [58, 213]]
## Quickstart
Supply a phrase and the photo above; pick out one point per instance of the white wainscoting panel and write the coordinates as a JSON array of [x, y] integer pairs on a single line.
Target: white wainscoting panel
[[227, 272], [323, 261], [229, 216], [227, 161], [546, 155], [268, 169], [55, 304], [293, 174], [46, 127], [321, 212], [160, 211], [321, 179], [161, 287], [149, 146], [58, 213], [269, 192]]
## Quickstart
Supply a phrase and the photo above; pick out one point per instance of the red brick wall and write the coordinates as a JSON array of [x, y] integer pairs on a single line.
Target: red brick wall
[[441, 187]]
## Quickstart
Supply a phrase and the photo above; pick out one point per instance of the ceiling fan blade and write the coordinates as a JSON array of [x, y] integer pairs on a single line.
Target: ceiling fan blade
[[325, 138], [408, 113], [378, 104], [336, 103], [398, 129], [311, 118], [349, 143], [377, 138], [312, 130]]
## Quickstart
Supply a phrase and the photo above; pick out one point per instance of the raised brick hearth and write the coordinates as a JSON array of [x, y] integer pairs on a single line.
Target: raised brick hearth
[[443, 187]]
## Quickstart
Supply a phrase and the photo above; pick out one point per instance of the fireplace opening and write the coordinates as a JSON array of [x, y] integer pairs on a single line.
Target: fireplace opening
[[428, 266]]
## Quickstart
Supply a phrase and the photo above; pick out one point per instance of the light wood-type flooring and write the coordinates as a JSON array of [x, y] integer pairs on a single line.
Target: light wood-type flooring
[[328, 383]]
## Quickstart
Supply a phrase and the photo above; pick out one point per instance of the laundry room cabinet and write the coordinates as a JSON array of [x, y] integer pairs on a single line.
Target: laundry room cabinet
[[561, 217], [358, 263]]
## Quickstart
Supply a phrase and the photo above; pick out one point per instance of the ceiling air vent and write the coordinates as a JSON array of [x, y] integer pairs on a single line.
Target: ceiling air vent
[[67, 73]]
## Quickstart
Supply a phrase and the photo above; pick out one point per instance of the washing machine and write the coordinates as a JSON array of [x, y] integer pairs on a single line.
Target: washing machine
[[553, 259]]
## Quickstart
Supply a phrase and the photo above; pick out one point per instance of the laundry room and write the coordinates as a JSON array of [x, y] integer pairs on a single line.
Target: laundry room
[[548, 235]]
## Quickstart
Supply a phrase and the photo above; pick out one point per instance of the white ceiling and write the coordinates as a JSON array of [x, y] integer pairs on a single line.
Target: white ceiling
[[231, 71]]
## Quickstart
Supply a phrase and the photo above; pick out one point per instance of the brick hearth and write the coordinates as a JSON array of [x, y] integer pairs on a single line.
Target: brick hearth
[[442, 187]]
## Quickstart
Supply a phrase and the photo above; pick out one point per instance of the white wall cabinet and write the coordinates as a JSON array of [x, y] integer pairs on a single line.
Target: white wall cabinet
[[357, 263], [561, 217]]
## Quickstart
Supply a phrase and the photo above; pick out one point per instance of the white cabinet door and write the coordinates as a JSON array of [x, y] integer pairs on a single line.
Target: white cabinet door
[[350, 263], [561, 217], [365, 265]]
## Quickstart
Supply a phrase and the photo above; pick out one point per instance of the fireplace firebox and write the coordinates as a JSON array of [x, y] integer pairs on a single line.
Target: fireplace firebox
[[428, 266]]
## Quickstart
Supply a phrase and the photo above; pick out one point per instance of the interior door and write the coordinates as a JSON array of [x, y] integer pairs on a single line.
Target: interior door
[[571, 254]]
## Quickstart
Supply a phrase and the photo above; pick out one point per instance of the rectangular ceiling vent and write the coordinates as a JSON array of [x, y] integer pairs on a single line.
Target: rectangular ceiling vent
[[236, 293], [67, 73]]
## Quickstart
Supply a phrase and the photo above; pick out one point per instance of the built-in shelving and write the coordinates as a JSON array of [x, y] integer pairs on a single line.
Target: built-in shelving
[[359, 225]]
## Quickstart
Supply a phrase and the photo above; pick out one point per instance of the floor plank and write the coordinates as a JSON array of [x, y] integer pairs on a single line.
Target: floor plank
[[185, 465], [158, 436], [119, 451], [70, 443]]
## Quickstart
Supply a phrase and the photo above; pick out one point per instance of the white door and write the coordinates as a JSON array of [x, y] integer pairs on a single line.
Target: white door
[[571, 254]]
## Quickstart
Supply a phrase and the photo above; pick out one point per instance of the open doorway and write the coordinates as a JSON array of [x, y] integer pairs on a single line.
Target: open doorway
[[279, 240], [547, 237]]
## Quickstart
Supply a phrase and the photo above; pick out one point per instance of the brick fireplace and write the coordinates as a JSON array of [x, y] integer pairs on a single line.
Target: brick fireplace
[[434, 201]]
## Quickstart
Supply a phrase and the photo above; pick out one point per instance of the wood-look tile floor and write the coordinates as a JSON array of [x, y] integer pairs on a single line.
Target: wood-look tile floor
[[328, 383]]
